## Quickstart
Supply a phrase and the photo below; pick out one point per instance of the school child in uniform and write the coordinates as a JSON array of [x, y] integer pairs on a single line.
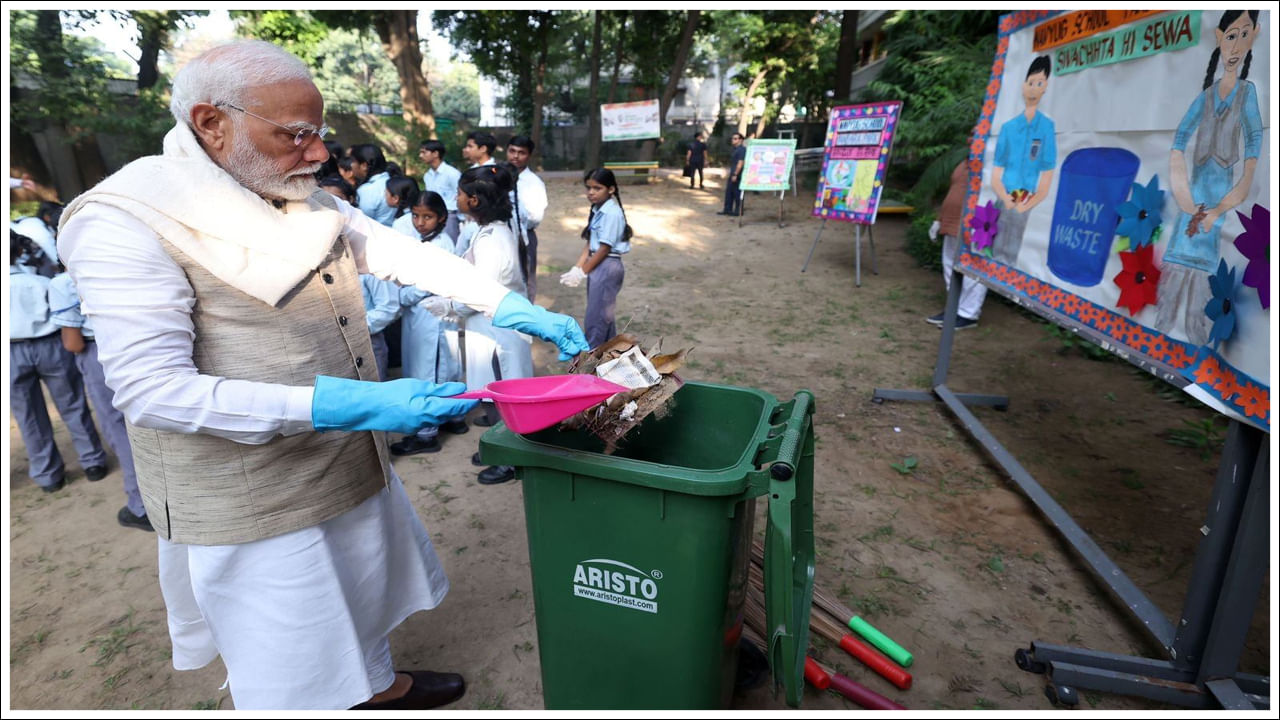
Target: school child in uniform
[[429, 343], [608, 238], [337, 186], [36, 354], [400, 194], [78, 339], [381, 308], [492, 353], [371, 193]]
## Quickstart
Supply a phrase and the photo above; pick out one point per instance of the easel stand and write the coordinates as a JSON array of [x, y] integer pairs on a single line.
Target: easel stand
[[857, 250], [1203, 650], [742, 209]]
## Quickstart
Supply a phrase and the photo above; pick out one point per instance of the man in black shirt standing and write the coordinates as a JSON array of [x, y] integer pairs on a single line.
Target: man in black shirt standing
[[732, 198], [696, 159]]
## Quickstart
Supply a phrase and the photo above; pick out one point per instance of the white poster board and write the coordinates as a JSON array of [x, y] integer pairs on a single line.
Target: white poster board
[[629, 121], [1107, 185]]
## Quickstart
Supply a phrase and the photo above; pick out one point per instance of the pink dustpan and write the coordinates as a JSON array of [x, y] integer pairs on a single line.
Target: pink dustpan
[[531, 404]]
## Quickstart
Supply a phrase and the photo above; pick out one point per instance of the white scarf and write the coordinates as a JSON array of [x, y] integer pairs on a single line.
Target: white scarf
[[236, 235]]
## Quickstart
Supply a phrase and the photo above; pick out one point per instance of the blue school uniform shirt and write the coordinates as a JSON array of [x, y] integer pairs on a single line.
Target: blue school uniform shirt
[[64, 305], [381, 302], [29, 315], [607, 226], [443, 180], [1026, 149], [371, 198]]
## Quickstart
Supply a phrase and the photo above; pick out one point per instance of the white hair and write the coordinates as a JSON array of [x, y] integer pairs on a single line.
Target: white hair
[[223, 74]]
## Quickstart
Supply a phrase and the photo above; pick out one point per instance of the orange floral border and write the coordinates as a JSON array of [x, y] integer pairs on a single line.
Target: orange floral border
[[1209, 370]]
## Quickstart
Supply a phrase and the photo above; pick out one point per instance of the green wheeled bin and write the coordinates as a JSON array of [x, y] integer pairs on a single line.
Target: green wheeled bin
[[639, 558]]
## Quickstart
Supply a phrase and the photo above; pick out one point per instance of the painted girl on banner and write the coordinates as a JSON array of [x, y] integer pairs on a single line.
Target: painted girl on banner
[[1221, 118]]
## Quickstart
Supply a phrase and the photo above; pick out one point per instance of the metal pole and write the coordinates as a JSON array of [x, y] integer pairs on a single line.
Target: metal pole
[[943, 365], [816, 238], [857, 255], [871, 238]]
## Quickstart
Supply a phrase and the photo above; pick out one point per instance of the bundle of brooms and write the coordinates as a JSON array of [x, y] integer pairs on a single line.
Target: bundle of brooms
[[822, 621], [612, 419]]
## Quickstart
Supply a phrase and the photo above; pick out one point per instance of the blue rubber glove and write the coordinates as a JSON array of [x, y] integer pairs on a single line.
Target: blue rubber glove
[[517, 313], [405, 405]]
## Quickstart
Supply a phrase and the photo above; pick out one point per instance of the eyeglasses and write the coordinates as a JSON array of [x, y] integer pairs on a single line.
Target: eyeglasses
[[301, 134]]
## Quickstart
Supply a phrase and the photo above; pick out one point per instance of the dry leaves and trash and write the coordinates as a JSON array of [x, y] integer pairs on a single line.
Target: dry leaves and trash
[[651, 377]]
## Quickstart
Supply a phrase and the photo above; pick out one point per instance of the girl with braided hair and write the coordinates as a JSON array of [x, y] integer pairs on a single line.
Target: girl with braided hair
[[1222, 117]]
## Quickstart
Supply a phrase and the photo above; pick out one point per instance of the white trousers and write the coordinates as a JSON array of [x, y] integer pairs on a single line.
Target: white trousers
[[301, 620], [972, 292]]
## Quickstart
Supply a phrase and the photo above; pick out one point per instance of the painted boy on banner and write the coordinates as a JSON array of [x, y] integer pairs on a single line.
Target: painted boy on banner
[[1026, 153], [1223, 117]]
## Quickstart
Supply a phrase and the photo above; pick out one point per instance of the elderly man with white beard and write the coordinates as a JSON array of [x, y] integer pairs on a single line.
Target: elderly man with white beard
[[225, 294]]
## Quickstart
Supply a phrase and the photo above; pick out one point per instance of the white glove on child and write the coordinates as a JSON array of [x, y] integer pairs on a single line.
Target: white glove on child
[[933, 230], [441, 307], [574, 277]]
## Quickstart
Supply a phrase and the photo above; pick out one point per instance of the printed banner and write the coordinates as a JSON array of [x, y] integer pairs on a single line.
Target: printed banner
[[859, 138], [1074, 26], [1170, 32], [1132, 197], [629, 121], [768, 165]]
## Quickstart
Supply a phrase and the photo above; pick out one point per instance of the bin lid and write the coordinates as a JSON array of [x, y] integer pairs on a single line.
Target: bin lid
[[788, 548]]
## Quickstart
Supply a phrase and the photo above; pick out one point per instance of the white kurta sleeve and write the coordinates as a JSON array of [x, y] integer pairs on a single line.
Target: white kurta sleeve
[[389, 255], [140, 302], [533, 198]]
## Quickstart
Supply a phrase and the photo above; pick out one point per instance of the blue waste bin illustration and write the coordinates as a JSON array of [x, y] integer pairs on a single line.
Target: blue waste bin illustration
[[1093, 183]]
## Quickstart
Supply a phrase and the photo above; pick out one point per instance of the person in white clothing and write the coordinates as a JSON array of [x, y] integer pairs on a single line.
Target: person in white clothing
[[442, 179], [492, 353], [223, 286], [532, 195]]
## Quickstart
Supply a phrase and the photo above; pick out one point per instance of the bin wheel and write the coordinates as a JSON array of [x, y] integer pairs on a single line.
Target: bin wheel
[[1025, 661], [877, 400], [1061, 695]]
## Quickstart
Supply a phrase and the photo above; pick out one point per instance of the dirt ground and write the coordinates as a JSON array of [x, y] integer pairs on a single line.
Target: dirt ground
[[944, 556]]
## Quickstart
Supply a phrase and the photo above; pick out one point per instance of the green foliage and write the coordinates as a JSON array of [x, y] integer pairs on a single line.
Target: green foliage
[[927, 253], [907, 466], [1068, 341], [43, 92], [456, 93], [1205, 435], [299, 32], [938, 65], [351, 69]]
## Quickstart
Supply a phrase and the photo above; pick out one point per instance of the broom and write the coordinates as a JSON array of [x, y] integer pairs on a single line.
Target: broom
[[827, 602]]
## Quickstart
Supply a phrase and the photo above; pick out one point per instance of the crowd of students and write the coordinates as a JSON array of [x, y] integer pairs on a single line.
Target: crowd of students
[[487, 214]]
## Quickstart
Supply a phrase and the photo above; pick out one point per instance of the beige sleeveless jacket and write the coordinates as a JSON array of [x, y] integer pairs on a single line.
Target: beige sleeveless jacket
[[205, 490]]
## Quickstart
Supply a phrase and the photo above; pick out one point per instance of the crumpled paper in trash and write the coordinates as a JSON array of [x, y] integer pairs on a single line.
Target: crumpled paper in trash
[[651, 377]]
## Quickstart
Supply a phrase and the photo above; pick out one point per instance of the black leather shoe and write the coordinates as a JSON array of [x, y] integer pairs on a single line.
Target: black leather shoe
[[412, 445], [429, 690], [95, 473], [496, 475], [126, 518], [62, 482], [475, 459], [482, 421], [457, 427]]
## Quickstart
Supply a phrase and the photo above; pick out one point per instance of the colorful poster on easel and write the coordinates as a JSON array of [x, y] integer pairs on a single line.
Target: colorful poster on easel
[[629, 121], [1120, 178], [768, 165], [859, 138]]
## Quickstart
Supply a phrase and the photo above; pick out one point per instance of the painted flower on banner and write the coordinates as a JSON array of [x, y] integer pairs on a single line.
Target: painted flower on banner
[[1140, 214], [1255, 244], [1221, 308], [1138, 279], [984, 225]]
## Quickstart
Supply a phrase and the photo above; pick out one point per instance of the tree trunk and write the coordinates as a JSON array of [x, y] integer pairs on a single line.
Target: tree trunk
[[543, 33], [617, 55], [744, 115], [760, 122], [398, 31], [152, 36], [673, 79], [847, 55], [593, 96]]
